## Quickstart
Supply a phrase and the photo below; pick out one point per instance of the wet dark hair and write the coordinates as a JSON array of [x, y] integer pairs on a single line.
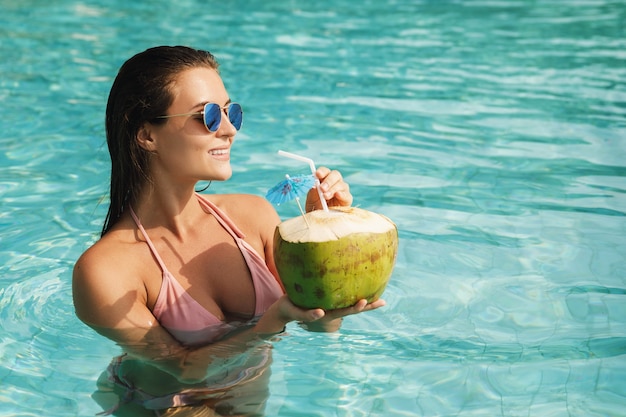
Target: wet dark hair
[[141, 93]]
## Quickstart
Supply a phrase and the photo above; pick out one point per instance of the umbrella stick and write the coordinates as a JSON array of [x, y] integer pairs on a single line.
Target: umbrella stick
[[302, 211]]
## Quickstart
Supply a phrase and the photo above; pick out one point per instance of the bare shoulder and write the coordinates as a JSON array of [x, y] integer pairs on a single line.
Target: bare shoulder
[[246, 209], [254, 215], [102, 257], [105, 281]]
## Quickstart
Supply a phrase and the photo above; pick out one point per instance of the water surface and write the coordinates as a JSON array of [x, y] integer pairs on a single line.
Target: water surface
[[491, 132]]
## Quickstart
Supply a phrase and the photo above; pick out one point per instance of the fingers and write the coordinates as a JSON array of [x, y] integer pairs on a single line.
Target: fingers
[[282, 312], [291, 312], [307, 316], [377, 304], [360, 307], [363, 305], [335, 190]]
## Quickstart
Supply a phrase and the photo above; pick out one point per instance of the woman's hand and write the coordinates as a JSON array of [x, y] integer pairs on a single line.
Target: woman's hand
[[284, 311], [331, 321], [335, 190]]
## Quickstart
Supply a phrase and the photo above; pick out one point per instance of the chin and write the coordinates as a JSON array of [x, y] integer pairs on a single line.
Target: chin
[[222, 176]]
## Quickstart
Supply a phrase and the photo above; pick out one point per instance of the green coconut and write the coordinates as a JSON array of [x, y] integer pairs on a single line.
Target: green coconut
[[333, 259]]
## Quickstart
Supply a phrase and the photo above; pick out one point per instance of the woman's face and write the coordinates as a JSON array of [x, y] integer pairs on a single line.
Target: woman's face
[[185, 150]]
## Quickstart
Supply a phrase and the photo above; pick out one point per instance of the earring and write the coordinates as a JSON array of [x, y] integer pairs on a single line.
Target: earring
[[205, 188]]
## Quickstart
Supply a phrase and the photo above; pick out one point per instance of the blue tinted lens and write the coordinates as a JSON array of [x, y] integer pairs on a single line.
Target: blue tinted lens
[[235, 115], [212, 116]]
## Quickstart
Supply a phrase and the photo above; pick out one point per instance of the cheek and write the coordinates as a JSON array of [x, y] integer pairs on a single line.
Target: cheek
[[178, 155], [190, 155], [177, 145]]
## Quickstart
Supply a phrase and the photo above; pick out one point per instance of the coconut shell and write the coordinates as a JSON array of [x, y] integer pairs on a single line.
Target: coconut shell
[[333, 259]]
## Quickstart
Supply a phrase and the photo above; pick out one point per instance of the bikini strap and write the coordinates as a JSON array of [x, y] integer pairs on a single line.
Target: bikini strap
[[148, 241], [221, 217]]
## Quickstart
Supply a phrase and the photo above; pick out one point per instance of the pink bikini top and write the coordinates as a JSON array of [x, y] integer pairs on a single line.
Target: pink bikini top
[[184, 317]]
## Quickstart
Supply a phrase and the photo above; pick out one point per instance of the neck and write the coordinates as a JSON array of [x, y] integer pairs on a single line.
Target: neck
[[175, 210]]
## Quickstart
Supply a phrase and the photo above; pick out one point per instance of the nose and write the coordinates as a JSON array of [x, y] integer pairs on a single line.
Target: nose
[[226, 127]]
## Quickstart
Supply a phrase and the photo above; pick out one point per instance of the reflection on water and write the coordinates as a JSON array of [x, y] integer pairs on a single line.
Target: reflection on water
[[236, 384]]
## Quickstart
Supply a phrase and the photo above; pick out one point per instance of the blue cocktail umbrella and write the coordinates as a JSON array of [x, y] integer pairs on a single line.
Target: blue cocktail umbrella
[[312, 166], [291, 188]]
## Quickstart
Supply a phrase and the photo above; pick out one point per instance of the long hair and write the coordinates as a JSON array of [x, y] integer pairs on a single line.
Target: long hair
[[141, 93]]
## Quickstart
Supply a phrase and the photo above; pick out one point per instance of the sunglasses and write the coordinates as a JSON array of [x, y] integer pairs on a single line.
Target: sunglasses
[[212, 115]]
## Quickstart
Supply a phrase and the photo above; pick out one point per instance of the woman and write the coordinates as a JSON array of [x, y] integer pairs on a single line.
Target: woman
[[185, 283]]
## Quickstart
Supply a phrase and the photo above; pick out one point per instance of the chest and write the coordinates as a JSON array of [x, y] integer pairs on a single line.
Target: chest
[[210, 267]]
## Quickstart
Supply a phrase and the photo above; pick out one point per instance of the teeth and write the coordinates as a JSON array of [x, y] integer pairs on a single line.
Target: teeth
[[219, 152]]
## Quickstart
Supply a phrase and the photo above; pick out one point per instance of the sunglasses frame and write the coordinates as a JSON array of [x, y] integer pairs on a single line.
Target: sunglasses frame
[[204, 112]]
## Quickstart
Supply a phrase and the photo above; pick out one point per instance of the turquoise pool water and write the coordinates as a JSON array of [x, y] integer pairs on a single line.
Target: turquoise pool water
[[492, 132]]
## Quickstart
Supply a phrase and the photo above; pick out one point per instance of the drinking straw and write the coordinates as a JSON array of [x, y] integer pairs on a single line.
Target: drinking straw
[[312, 166]]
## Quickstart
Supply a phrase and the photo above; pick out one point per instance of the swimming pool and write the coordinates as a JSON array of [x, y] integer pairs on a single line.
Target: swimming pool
[[492, 133]]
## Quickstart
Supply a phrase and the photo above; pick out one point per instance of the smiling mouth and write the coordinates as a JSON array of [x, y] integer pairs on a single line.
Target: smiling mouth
[[219, 152]]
